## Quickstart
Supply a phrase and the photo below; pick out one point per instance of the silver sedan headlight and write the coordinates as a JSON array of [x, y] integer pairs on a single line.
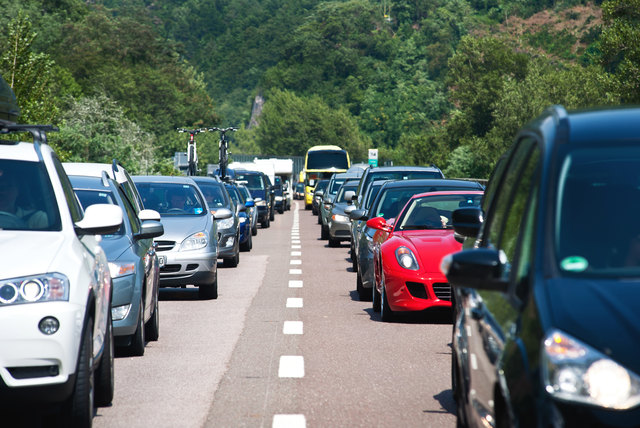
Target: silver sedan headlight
[[340, 218], [225, 223], [573, 371], [194, 242], [36, 288]]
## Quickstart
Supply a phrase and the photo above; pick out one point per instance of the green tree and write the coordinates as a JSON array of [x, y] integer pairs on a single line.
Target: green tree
[[289, 125], [620, 46]]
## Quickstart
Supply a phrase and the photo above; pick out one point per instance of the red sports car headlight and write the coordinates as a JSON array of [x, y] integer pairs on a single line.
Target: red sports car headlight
[[406, 259]]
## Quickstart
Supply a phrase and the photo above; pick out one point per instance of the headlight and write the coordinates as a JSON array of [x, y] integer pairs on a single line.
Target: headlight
[[225, 223], [242, 219], [279, 198], [32, 289], [121, 269], [194, 242], [340, 218], [573, 371], [261, 203], [406, 259], [120, 312]]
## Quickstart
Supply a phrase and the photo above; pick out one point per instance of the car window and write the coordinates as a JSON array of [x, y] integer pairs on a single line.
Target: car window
[[391, 201], [434, 212], [88, 197], [27, 199], [172, 199], [129, 211], [598, 199], [215, 195], [254, 181], [72, 201], [340, 197]]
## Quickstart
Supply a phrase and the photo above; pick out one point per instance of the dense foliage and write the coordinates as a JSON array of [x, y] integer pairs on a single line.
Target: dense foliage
[[425, 81]]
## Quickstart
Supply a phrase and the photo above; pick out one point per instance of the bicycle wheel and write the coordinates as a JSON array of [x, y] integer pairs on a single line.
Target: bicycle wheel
[[192, 162]]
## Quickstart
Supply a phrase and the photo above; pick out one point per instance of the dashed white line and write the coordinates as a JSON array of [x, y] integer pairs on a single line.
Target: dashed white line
[[289, 421], [295, 262], [291, 366], [295, 283], [296, 247], [294, 302], [295, 271], [295, 241], [292, 327], [296, 253]]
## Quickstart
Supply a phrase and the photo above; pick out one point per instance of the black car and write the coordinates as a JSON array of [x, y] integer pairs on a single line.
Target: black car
[[547, 328], [260, 187]]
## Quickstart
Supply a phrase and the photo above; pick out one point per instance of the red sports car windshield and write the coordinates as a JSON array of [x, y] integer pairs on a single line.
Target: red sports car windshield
[[434, 211]]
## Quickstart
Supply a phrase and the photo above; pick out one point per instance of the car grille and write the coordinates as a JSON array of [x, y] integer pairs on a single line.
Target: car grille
[[165, 245], [170, 268], [442, 290]]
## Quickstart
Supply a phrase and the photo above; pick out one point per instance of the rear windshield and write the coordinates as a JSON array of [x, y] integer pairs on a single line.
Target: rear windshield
[[27, 200], [254, 181]]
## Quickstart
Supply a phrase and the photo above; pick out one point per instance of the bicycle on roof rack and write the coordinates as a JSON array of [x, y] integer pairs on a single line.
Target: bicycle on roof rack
[[223, 146], [192, 152]]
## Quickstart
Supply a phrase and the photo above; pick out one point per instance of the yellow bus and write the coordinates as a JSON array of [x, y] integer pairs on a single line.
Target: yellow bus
[[320, 163]]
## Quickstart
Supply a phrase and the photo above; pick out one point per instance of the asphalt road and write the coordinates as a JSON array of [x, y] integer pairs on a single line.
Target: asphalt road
[[286, 344]]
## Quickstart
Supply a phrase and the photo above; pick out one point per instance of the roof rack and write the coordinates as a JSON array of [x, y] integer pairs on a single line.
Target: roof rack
[[561, 118], [38, 132]]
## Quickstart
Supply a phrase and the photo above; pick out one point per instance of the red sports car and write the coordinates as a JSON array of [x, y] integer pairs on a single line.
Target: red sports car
[[408, 251]]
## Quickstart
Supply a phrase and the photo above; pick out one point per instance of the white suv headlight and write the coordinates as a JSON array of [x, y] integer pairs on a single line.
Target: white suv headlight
[[32, 289], [573, 371], [194, 242]]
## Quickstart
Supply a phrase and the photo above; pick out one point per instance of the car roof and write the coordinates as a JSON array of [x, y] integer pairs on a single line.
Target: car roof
[[207, 180], [448, 192], [348, 175], [85, 182], [439, 182], [163, 179], [402, 168], [24, 151]]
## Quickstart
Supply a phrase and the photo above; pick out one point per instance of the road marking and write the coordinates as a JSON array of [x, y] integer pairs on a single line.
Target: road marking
[[289, 421], [295, 262], [292, 327], [291, 366], [296, 247], [474, 362], [295, 241], [294, 302], [295, 283], [296, 253], [295, 271], [468, 328]]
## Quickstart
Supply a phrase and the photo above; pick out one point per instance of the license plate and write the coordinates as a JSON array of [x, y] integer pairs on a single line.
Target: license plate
[[162, 260]]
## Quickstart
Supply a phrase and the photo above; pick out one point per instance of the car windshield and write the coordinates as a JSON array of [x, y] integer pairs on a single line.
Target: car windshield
[[90, 197], [214, 195], [254, 181], [434, 212], [27, 200], [597, 230], [340, 197], [325, 159], [400, 175], [171, 199], [335, 185], [321, 185], [372, 192]]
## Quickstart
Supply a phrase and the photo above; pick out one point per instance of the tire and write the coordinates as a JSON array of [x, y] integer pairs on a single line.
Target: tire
[[386, 313], [364, 294], [246, 246], [138, 339], [280, 210], [104, 377], [254, 229], [209, 291], [79, 407], [333, 242], [192, 164], [319, 218], [354, 259], [375, 299], [232, 261], [307, 207], [324, 232], [152, 327], [272, 215]]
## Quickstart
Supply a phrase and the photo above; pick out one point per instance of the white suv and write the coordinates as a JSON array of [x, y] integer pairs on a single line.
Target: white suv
[[56, 340]]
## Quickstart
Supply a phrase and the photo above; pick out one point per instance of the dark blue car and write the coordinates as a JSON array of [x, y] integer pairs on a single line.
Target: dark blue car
[[244, 222], [547, 326]]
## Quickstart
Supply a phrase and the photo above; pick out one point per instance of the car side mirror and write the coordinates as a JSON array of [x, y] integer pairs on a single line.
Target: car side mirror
[[349, 195], [100, 219], [358, 215], [240, 207], [467, 221], [480, 268], [378, 223], [222, 214], [249, 204], [147, 214], [150, 229]]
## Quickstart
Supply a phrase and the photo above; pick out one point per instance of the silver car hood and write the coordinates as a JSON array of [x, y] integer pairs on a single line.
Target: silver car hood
[[177, 228]]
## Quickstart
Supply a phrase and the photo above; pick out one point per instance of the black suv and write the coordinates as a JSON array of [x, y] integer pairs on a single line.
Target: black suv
[[547, 327]]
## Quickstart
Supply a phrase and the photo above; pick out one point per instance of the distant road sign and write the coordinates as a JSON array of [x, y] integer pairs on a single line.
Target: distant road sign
[[373, 157]]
